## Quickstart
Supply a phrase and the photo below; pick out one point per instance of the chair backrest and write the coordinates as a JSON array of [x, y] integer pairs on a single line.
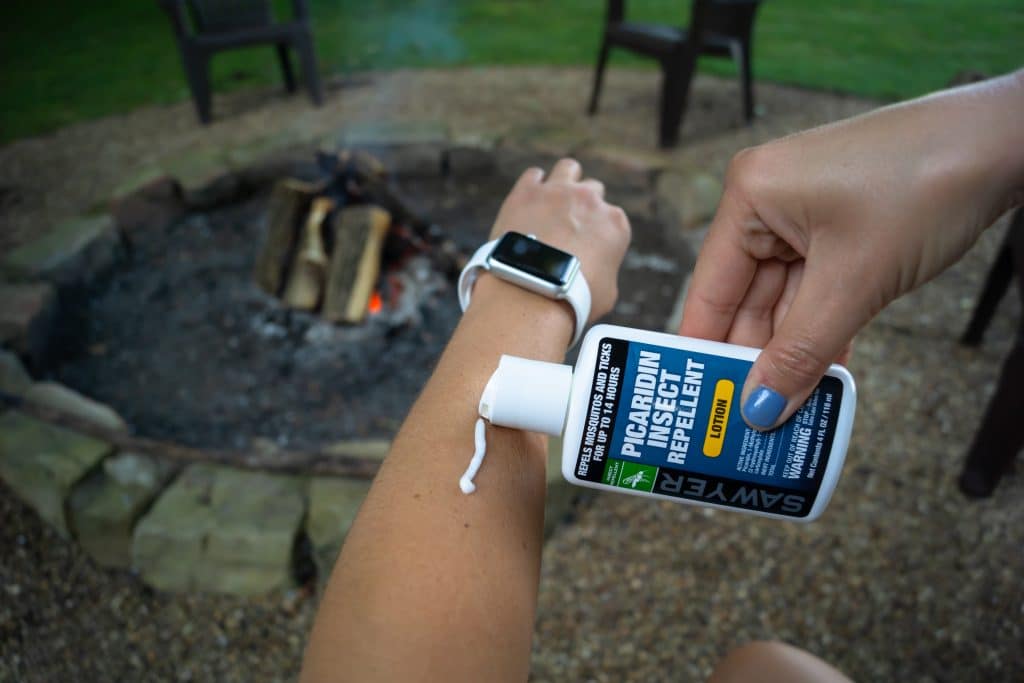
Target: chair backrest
[[700, 12], [725, 17], [732, 18], [616, 11], [222, 16]]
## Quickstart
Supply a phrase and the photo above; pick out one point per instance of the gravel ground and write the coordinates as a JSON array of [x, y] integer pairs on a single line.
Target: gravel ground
[[901, 579], [63, 618]]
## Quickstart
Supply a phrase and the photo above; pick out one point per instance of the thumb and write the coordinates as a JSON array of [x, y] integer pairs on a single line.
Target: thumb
[[817, 329]]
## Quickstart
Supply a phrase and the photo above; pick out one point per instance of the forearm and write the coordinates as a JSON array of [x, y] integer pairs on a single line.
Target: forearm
[[976, 143], [433, 584], [965, 143], [1002, 141], [481, 605], [966, 151]]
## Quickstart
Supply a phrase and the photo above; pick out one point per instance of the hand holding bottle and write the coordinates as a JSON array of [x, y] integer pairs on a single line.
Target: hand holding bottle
[[817, 232]]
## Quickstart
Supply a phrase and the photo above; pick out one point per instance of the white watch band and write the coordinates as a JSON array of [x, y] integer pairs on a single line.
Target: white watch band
[[577, 296]]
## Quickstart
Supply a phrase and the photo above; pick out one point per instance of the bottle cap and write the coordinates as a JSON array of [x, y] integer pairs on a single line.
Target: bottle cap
[[531, 395]]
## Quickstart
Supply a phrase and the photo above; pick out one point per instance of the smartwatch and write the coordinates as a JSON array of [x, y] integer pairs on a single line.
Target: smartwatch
[[527, 262]]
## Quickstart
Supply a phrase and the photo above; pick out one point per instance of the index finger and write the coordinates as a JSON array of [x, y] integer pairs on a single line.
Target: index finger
[[720, 279]]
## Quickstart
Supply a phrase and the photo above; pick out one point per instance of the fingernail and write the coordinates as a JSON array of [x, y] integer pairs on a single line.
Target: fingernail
[[763, 407]]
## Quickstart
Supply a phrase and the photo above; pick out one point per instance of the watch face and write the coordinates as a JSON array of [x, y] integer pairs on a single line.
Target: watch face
[[533, 257]]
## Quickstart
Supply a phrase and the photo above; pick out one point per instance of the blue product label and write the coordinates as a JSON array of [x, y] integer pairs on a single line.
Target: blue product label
[[667, 421]]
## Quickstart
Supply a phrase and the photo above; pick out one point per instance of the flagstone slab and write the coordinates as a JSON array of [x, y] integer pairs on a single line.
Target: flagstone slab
[[14, 379], [196, 166], [59, 397], [472, 154], [222, 530], [153, 202], [333, 504], [41, 463], [75, 252], [28, 313], [105, 507], [687, 200]]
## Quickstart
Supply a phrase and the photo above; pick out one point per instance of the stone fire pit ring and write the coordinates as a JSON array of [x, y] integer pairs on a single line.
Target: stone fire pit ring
[[188, 519]]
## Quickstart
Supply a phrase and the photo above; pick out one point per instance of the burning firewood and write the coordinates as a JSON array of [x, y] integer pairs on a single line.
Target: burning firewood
[[359, 176], [306, 280], [326, 241], [359, 233], [288, 204]]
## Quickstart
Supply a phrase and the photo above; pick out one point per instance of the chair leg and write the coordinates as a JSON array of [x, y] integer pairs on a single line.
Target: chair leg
[[307, 56], [595, 95], [996, 284], [1001, 434], [675, 91], [197, 71], [286, 66]]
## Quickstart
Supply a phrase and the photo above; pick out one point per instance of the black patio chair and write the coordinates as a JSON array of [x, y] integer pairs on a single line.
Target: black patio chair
[[1001, 434], [718, 28], [204, 27]]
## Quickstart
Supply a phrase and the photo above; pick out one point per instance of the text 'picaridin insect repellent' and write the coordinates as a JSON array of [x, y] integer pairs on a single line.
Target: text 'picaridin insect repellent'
[[658, 415]]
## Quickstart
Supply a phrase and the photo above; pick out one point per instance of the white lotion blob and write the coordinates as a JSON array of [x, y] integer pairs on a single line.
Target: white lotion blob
[[480, 441]]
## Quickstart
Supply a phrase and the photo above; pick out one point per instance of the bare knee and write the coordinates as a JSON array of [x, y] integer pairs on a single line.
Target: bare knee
[[773, 662]]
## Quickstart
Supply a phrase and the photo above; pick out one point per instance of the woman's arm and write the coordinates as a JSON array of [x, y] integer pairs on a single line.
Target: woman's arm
[[433, 584]]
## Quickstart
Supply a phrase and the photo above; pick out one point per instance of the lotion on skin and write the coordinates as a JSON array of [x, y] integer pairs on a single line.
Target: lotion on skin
[[658, 415]]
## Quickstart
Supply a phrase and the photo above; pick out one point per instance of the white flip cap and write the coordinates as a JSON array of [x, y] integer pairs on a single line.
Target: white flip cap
[[531, 395]]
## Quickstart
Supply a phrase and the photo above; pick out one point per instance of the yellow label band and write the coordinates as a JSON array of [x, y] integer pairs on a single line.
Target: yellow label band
[[720, 406]]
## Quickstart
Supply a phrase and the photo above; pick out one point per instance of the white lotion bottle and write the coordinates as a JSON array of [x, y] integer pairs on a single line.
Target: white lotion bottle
[[658, 415]]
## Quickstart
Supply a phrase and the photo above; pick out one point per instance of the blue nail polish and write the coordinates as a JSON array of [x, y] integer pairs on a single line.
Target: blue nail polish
[[763, 407]]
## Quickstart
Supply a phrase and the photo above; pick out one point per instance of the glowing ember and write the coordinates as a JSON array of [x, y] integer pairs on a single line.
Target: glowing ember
[[374, 304]]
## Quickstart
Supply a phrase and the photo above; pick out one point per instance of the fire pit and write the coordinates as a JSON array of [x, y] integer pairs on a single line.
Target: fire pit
[[191, 341], [277, 321], [189, 346]]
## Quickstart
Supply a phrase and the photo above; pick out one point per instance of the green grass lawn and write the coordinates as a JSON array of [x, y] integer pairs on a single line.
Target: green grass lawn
[[69, 60]]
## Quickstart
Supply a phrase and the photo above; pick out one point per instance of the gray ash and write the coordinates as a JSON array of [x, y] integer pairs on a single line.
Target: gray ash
[[188, 348]]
